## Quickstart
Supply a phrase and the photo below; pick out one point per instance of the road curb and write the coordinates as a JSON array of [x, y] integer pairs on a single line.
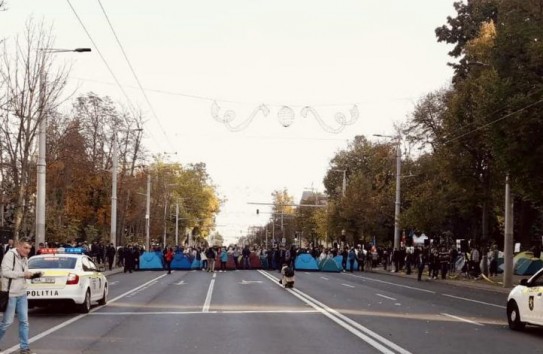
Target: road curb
[[467, 283]]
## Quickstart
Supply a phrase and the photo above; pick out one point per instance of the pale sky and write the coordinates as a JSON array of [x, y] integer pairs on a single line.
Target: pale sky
[[381, 55]]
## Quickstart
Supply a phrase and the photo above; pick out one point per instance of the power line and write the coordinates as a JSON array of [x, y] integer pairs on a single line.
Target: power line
[[134, 74], [493, 122], [130, 104], [101, 56], [211, 99]]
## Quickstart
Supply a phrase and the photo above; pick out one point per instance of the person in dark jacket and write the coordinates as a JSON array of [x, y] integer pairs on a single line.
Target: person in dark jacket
[[110, 255], [129, 259], [246, 253], [423, 257], [344, 256]]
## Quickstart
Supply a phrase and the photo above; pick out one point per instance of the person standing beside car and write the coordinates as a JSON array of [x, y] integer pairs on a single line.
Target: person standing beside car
[[15, 271]]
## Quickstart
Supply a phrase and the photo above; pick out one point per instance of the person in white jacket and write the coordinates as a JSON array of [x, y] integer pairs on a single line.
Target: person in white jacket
[[15, 271]]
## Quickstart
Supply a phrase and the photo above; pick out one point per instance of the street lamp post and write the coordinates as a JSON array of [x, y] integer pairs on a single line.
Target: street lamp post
[[115, 163], [397, 202], [42, 149]]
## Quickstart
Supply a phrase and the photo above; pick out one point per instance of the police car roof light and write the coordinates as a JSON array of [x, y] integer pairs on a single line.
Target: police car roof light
[[62, 250], [74, 250]]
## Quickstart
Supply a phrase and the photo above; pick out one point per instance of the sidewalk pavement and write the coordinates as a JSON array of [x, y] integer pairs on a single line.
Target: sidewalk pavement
[[115, 270], [490, 283]]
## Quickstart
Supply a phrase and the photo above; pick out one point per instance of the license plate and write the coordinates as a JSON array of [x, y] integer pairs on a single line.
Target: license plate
[[43, 281]]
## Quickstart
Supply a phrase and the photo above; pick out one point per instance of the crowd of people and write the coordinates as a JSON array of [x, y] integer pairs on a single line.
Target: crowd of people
[[438, 259]]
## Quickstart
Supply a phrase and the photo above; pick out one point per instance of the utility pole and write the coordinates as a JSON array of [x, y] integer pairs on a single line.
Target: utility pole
[[147, 212], [398, 177], [397, 203], [114, 168], [115, 163], [508, 238], [177, 223], [165, 209]]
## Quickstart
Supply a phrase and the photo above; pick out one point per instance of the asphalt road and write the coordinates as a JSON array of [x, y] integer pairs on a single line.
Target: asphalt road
[[248, 312]]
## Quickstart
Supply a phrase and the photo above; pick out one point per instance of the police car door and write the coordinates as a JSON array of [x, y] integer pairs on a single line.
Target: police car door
[[94, 278], [535, 300]]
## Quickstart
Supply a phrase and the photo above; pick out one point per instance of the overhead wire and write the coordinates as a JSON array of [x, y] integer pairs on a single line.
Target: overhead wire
[[130, 104], [493, 122], [135, 75], [101, 56]]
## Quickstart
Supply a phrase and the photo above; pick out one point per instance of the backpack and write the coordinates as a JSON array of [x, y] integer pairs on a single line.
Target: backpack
[[289, 272]]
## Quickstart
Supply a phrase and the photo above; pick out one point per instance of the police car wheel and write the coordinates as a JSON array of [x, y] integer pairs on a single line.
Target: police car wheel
[[86, 305], [513, 317], [103, 300]]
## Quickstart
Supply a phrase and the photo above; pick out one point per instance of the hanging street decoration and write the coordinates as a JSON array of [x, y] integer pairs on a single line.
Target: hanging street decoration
[[286, 117]]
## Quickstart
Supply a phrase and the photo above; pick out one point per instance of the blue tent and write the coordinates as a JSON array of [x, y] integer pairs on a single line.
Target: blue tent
[[305, 261], [196, 264], [527, 266], [151, 261], [181, 262], [329, 265], [339, 259]]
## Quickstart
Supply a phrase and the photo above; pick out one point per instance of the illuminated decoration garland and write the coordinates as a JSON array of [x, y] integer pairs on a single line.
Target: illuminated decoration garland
[[285, 116], [340, 118], [230, 115]]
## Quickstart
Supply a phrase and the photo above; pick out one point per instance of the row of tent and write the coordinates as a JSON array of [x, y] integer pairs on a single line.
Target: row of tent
[[181, 261], [524, 263]]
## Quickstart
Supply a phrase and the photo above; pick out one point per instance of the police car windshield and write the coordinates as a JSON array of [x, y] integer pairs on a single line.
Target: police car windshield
[[57, 262]]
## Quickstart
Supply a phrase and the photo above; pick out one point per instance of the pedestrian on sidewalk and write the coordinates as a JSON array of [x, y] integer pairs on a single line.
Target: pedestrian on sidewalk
[[444, 257], [475, 261], [408, 259], [352, 258], [423, 259], [361, 255], [396, 260], [494, 254], [110, 255]]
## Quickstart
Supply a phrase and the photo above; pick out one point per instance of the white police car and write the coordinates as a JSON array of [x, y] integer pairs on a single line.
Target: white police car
[[66, 276], [525, 303]]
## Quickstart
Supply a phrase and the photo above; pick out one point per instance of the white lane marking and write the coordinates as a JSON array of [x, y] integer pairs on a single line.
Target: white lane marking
[[476, 301], [131, 291], [200, 312], [113, 282], [182, 282], [345, 322], [77, 318], [207, 302], [141, 289], [387, 297], [462, 319], [388, 283], [307, 273], [324, 278], [245, 282], [347, 285]]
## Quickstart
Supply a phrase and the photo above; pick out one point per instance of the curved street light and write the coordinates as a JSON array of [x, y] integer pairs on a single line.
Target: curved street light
[[42, 150]]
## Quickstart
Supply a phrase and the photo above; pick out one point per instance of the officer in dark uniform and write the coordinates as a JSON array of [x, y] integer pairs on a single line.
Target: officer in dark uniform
[[128, 259]]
